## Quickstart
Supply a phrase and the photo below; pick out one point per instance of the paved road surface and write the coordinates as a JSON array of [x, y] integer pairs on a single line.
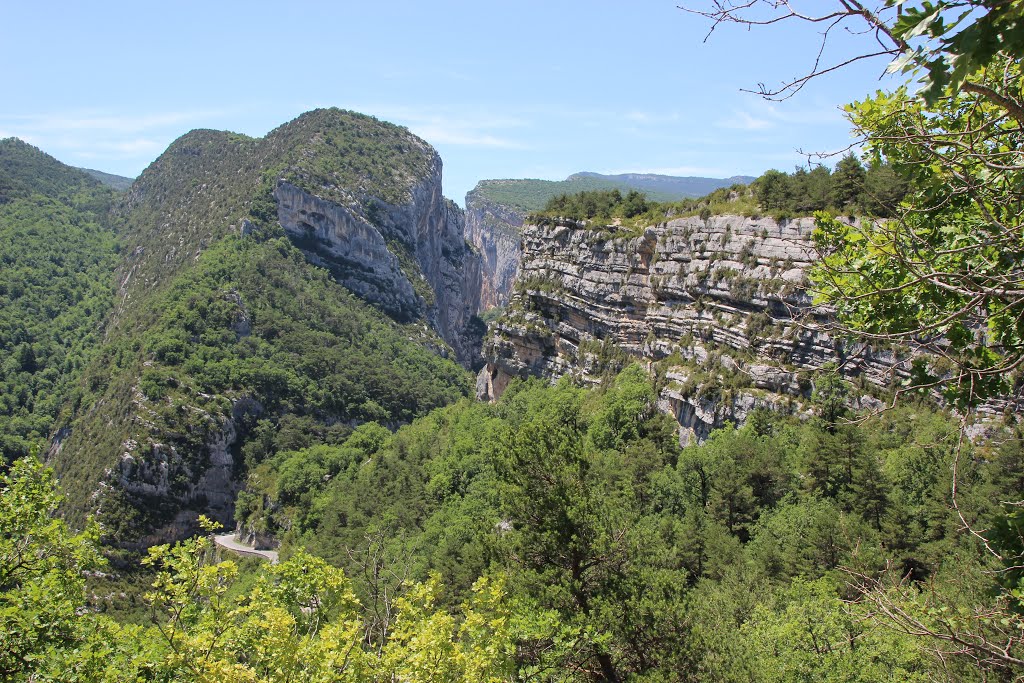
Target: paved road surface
[[228, 541]]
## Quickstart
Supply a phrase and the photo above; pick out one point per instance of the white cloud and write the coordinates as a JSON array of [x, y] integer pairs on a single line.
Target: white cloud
[[101, 121], [126, 142], [4, 134], [650, 118], [447, 134], [120, 148], [742, 120], [446, 126]]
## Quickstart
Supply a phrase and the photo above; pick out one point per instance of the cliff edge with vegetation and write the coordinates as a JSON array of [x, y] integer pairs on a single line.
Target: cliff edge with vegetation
[[716, 305]]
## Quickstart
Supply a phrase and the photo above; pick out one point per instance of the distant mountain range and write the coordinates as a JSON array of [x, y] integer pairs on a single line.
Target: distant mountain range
[[531, 194], [671, 187]]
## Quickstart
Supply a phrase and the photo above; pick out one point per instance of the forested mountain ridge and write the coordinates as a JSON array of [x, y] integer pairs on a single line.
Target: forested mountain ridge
[[286, 287], [667, 188], [26, 171], [58, 249], [383, 182]]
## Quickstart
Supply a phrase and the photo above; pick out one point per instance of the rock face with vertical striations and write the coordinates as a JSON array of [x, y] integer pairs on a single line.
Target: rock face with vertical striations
[[493, 229], [714, 304], [409, 258], [346, 244]]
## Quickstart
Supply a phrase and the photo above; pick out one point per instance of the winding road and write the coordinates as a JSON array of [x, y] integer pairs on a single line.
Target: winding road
[[228, 542]]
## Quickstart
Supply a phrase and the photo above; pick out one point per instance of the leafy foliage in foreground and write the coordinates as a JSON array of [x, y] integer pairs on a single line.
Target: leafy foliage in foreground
[[944, 276], [300, 620], [562, 535]]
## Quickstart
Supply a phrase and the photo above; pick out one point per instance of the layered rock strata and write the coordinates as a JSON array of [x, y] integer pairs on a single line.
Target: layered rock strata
[[718, 305]]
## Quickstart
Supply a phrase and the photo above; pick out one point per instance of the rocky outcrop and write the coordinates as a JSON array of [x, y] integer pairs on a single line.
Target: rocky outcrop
[[174, 481], [335, 237], [411, 259], [433, 227], [718, 305], [493, 229]]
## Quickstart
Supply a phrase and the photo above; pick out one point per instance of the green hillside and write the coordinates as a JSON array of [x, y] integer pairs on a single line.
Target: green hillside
[[26, 171], [58, 252], [558, 535]]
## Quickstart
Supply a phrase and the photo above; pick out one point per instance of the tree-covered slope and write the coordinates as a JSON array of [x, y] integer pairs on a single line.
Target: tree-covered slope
[[25, 171], [251, 342], [647, 560], [58, 253]]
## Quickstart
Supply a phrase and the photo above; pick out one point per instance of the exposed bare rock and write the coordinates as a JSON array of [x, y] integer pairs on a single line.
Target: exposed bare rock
[[493, 229], [717, 302], [411, 259], [335, 237]]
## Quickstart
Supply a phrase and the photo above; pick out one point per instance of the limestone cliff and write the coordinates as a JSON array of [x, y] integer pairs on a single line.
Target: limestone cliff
[[408, 257], [337, 238], [493, 229], [716, 305]]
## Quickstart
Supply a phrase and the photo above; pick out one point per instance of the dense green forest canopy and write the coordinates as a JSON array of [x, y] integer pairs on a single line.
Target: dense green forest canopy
[[560, 534], [57, 256]]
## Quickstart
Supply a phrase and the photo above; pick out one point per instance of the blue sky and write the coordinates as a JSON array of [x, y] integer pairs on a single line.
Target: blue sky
[[537, 89]]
